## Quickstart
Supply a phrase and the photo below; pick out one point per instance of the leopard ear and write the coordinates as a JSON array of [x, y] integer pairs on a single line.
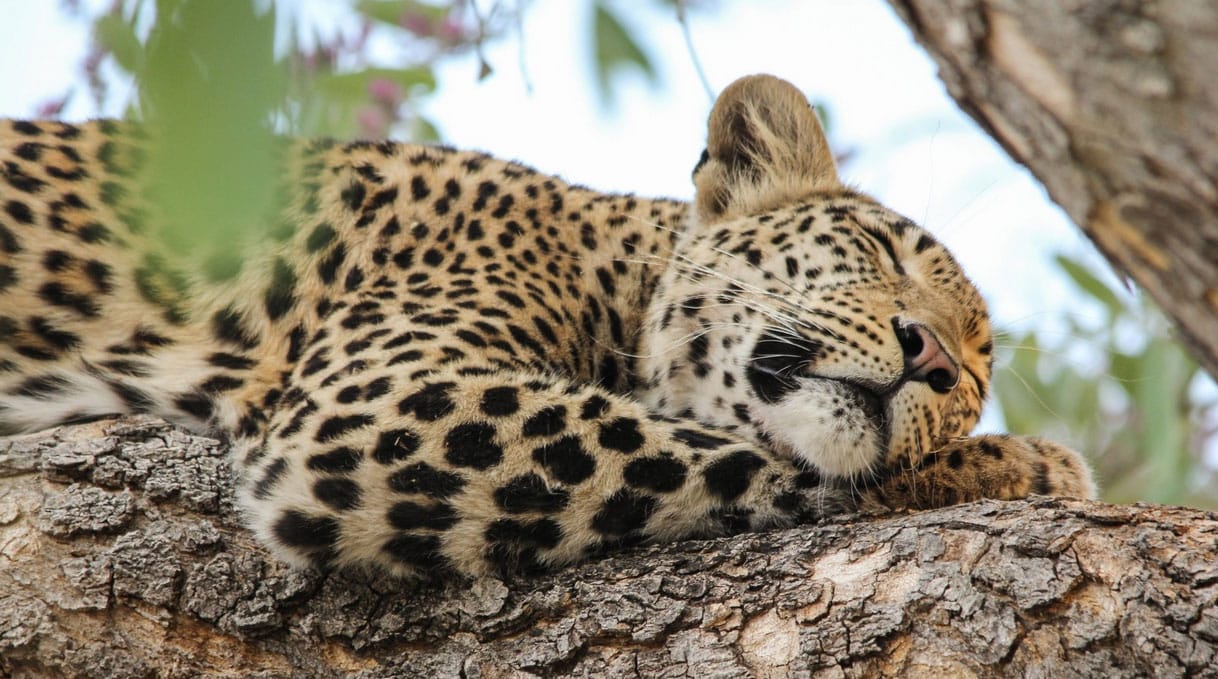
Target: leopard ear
[[765, 147]]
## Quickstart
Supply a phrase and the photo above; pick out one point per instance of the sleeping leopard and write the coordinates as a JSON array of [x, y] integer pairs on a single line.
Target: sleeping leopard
[[452, 364]]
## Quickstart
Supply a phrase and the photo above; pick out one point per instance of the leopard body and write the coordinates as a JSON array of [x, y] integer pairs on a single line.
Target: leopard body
[[437, 361]]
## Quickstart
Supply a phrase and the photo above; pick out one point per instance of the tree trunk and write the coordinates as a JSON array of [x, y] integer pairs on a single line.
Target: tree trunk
[[1113, 105], [120, 555]]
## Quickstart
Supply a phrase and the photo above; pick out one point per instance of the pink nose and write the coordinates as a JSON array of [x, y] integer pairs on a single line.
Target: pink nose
[[925, 359]]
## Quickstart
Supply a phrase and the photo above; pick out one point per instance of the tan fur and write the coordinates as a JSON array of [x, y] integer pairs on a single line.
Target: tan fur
[[766, 148]]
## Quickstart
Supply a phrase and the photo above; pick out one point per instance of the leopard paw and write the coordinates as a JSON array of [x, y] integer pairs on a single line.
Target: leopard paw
[[1001, 467]]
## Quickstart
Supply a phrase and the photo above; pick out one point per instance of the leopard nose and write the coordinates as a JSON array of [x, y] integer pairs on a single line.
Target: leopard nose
[[925, 359]]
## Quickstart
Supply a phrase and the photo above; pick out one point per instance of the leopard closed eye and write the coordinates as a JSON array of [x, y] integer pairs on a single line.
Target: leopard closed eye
[[452, 363]]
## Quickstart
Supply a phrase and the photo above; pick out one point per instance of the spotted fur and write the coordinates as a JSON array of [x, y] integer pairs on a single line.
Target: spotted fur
[[437, 361]]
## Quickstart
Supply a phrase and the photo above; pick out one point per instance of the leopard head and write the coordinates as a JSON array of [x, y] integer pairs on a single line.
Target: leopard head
[[805, 314]]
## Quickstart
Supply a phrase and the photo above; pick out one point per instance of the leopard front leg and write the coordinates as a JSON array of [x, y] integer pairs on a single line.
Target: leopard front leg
[[492, 473], [1002, 467]]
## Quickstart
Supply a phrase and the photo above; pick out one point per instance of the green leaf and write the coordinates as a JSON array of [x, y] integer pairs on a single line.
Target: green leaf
[[116, 35], [822, 112], [210, 87], [1166, 373], [353, 87], [424, 130], [1126, 370], [1090, 284], [393, 11], [1019, 389], [615, 49]]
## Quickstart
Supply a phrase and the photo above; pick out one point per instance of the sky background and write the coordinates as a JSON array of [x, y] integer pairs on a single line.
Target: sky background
[[908, 143]]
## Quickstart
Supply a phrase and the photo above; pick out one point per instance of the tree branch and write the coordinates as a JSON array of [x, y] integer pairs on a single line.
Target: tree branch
[[1114, 107], [121, 555]]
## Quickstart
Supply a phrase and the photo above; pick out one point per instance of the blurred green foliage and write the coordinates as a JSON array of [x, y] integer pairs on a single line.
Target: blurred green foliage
[[615, 49], [218, 82], [217, 95], [209, 83], [309, 79], [1120, 389]]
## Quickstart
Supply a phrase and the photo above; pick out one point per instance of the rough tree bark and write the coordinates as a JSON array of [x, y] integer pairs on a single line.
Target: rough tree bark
[[121, 556], [1113, 105]]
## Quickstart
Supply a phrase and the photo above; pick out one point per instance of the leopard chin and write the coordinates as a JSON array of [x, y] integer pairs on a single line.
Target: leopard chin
[[838, 428]]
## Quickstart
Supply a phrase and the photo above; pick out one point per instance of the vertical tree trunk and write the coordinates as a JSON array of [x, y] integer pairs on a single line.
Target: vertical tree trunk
[[121, 556], [1113, 105]]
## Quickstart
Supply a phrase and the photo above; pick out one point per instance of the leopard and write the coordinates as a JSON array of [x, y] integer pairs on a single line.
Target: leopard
[[441, 363]]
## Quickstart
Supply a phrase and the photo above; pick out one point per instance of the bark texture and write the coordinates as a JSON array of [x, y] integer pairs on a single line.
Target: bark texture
[[120, 556], [1113, 105]]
